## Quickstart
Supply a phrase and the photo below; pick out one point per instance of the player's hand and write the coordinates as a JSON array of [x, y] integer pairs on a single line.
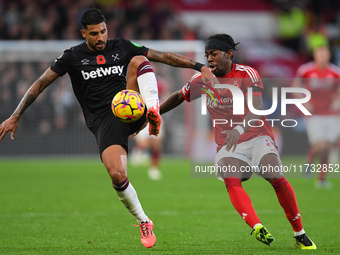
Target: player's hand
[[208, 76], [11, 124], [231, 139], [137, 132]]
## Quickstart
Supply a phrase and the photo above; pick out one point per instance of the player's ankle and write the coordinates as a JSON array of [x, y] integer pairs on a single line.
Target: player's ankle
[[152, 104], [257, 224], [301, 232]]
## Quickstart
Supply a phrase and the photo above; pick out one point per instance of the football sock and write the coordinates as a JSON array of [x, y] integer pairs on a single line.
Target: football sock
[[257, 224], [324, 162], [147, 84], [299, 233], [241, 201], [128, 196], [155, 158], [287, 199]]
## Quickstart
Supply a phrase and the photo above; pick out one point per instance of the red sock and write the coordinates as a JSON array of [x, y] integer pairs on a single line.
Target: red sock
[[286, 196], [322, 174], [241, 201], [155, 158]]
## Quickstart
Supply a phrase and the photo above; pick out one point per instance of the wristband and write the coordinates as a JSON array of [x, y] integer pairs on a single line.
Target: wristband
[[198, 66], [239, 129]]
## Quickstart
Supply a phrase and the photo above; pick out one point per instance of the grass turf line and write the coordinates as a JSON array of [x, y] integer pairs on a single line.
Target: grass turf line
[[69, 207]]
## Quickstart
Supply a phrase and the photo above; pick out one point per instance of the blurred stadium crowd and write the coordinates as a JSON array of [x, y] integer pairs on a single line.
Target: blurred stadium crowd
[[60, 20], [300, 25], [297, 21]]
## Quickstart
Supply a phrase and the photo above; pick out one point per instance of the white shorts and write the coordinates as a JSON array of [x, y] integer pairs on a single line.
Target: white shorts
[[144, 133], [250, 152], [322, 128]]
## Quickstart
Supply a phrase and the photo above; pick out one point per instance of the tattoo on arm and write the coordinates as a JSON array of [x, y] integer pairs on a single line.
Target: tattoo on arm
[[34, 91], [170, 58]]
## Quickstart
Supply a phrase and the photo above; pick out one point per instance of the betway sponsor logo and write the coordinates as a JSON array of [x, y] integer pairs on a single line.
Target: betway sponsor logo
[[100, 72]]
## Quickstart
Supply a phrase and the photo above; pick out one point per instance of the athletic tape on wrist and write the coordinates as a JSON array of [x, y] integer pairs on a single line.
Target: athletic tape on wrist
[[198, 66], [239, 129]]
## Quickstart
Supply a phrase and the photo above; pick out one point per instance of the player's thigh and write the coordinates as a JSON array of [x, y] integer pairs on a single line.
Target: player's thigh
[[234, 163], [271, 167], [228, 167], [131, 78], [112, 141], [114, 158]]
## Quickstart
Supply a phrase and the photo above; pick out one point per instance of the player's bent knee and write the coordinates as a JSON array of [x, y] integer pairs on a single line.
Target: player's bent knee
[[117, 176], [136, 61]]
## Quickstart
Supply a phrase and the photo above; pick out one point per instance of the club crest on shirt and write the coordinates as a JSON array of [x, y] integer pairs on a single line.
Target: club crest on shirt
[[236, 84], [115, 57]]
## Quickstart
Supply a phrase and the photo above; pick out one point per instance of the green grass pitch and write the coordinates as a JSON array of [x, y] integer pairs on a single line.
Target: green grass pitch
[[68, 206]]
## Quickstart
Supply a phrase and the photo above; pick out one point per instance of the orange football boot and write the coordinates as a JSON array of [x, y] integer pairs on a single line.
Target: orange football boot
[[148, 238], [155, 120]]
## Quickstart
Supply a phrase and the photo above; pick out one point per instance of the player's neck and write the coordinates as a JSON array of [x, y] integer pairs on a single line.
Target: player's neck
[[229, 68], [322, 65]]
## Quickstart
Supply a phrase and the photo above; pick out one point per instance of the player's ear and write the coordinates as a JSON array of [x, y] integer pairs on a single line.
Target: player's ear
[[83, 33], [229, 54]]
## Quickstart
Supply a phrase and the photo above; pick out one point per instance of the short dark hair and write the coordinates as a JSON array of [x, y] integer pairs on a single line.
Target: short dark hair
[[226, 38], [92, 16]]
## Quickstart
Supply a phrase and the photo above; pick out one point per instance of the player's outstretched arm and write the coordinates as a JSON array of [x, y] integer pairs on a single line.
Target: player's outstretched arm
[[174, 100], [177, 60], [11, 124]]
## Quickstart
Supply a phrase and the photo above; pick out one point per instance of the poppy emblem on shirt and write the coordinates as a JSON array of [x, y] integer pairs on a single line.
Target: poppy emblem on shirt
[[101, 60]]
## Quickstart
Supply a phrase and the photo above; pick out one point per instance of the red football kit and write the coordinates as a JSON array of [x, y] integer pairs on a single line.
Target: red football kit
[[243, 77], [322, 84]]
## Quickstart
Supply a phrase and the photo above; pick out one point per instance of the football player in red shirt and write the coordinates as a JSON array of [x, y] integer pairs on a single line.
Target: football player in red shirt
[[242, 146], [321, 78]]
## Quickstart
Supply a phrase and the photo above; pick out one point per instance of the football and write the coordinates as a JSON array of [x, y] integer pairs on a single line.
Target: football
[[128, 106]]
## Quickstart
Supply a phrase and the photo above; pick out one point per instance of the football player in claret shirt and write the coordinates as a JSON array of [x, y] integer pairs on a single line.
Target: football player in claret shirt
[[242, 146], [99, 68], [321, 78]]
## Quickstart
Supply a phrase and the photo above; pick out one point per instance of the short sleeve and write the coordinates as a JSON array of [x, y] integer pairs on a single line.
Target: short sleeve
[[190, 90], [253, 79], [135, 49], [186, 92], [62, 64]]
